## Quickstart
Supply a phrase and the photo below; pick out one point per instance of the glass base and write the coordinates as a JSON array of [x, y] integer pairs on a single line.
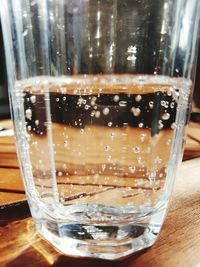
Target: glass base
[[98, 241]]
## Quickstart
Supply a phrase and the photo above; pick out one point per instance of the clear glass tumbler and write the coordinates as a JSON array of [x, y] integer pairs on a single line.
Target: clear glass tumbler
[[100, 95]]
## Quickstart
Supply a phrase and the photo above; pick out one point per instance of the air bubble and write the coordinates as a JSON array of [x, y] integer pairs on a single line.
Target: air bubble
[[107, 148], [106, 111], [33, 99], [28, 113], [87, 107], [162, 103], [160, 125], [29, 127], [157, 160], [138, 98], [136, 149], [168, 142], [132, 169], [57, 99], [166, 116], [141, 125], [116, 98], [122, 103], [92, 113], [97, 114], [110, 124], [112, 135], [172, 105], [151, 104], [136, 111], [82, 131], [25, 32], [64, 98]]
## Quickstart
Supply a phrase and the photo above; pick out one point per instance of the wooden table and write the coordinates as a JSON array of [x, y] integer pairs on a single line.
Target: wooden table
[[177, 245]]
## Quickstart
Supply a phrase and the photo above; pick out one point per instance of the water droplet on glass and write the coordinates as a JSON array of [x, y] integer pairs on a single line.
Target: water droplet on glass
[[60, 173], [57, 99], [141, 125], [37, 122], [110, 124], [106, 111], [64, 98]]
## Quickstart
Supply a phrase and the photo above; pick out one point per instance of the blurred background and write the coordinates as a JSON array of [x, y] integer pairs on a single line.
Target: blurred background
[[4, 99]]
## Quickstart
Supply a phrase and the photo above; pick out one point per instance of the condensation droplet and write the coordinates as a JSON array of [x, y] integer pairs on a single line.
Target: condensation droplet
[[138, 98], [106, 111], [166, 116], [136, 111]]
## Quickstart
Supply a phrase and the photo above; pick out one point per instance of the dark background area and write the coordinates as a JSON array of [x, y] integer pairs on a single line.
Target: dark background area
[[4, 101]]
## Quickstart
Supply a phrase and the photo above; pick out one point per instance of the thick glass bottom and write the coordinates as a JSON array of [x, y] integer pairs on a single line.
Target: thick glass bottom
[[101, 241]]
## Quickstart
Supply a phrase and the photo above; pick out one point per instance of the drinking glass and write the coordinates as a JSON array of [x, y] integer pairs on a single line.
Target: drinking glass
[[100, 95]]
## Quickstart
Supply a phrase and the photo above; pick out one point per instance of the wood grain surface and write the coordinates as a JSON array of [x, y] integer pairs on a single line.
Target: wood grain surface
[[178, 244]]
